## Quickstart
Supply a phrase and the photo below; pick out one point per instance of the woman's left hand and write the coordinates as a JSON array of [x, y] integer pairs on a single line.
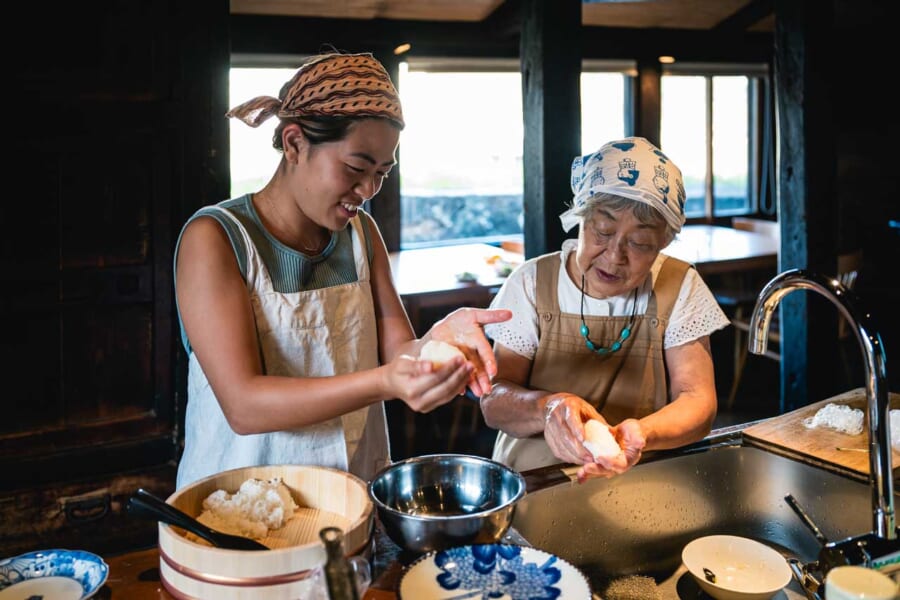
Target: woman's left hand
[[631, 439], [463, 329]]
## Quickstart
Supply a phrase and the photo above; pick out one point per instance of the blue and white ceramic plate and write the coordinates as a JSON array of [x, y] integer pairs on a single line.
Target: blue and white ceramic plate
[[490, 571], [52, 575]]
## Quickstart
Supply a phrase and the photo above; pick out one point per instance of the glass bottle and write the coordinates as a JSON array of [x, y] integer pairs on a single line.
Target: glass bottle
[[339, 575]]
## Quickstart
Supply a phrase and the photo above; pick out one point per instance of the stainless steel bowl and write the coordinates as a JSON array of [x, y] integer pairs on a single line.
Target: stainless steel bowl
[[439, 501]]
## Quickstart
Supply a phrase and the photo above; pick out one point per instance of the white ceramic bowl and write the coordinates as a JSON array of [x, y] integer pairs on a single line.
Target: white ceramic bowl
[[855, 583], [729, 567]]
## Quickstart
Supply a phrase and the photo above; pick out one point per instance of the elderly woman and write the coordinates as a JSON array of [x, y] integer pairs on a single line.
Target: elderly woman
[[609, 328]]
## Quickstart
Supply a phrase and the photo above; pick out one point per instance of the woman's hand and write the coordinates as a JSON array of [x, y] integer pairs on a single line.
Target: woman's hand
[[631, 439], [564, 418], [422, 386], [463, 329]]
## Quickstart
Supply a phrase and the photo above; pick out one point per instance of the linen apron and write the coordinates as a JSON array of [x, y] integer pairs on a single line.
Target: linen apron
[[630, 383], [316, 333]]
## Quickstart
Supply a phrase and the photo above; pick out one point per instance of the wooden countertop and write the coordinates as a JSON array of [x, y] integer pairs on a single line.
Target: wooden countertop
[[787, 432], [135, 575]]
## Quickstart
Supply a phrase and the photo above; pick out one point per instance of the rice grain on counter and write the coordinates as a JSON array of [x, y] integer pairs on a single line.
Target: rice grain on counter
[[258, 506]]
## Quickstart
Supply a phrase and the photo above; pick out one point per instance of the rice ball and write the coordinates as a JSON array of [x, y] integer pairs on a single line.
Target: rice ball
[[439, 352], [599, 440]]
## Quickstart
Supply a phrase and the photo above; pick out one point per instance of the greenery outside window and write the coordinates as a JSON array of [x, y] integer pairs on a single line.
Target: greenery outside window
[[461, 177]]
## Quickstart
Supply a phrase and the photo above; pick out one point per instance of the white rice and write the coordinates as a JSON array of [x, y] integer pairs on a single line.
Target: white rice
[[252, 511], [839, 417]]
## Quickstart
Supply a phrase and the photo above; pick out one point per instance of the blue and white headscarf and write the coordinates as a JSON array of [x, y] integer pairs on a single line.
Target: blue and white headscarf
[[631, 168]]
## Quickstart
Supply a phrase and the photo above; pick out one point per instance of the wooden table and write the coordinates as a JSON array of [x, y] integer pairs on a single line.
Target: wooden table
[[714, 249], [426, 277]]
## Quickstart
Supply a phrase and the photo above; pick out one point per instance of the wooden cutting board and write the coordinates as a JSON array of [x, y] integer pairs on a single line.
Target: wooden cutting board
[[787, 431]]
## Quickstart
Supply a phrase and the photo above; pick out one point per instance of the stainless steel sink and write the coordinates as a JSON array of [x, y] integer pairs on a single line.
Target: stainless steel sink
[[638, 523]]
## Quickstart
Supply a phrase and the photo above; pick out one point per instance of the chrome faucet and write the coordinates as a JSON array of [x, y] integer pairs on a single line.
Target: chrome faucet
[[880, 471]]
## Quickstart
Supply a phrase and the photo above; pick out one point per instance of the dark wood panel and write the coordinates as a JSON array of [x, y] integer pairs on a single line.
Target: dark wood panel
[[105, 199], [97, 50], [120, 136], [88, 515]]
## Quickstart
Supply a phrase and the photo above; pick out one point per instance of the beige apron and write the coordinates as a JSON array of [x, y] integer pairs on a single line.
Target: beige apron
[[316, 333], [630, 383]]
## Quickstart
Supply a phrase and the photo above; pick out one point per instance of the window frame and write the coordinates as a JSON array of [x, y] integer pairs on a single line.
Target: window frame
[[446, 64], [760, 158]]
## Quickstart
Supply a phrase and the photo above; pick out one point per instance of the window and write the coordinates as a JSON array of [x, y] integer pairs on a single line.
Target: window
[[603, 98], [710, 126], [253, 159], [461, 176]]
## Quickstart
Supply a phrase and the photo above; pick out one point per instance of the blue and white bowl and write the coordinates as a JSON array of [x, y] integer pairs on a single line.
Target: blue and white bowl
[[56, 573]]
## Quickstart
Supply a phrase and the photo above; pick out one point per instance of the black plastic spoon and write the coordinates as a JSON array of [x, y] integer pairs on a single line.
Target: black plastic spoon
[[144, 504]]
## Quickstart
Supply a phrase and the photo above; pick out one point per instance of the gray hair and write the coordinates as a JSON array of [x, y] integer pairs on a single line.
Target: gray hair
[[644, 213]]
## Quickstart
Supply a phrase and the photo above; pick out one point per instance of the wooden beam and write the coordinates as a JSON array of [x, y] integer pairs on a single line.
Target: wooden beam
[[385, 207], [551, 90], [255, 34], [647, 100], [494, 37], [506, 19], [748, 15], [806, 200], [684, 45]]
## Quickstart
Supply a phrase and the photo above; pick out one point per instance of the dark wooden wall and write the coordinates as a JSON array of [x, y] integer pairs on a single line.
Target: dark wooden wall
[[835, 191], [115, 119], [116, 112]]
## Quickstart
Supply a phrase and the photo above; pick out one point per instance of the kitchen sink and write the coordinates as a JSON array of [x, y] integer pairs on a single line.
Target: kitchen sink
[[638, 523]]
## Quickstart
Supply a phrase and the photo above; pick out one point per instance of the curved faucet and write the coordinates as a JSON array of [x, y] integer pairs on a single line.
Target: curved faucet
[[880, 471]]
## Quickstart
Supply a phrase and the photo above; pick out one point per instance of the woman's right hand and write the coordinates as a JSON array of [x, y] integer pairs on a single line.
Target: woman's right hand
[[564, 418], [424, 387]]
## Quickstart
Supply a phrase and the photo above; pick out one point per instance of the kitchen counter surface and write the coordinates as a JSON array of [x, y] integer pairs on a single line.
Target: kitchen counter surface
[[135, 575]]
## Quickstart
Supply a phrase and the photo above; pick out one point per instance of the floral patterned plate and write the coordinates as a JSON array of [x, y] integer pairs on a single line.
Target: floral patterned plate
[[52, 575], [492, 571]]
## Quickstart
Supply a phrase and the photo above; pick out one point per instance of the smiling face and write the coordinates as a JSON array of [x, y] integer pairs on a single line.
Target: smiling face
[[335, 178], [615, 251]]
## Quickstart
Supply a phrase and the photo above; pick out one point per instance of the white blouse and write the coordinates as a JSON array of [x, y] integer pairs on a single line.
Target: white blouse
[[695, 314]]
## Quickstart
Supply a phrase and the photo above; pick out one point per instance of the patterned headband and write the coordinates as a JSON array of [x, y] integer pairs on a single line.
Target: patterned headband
[[330, 85], [632, 168]]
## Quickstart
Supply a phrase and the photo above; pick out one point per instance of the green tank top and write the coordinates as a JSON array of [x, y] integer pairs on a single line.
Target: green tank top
[[291, 271]]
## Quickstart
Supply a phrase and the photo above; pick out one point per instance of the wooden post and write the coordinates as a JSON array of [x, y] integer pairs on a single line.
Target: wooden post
[[551, 91], [806, 198], [647, 115], [385, 207]]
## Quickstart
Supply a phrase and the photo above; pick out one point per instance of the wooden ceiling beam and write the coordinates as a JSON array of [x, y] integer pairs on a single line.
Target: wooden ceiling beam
[[686, 45], [253, 34], [750, 14], [258, 34], [506, 19]]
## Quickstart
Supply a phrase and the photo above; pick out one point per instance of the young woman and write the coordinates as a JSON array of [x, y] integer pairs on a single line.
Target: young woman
[[294, 329]]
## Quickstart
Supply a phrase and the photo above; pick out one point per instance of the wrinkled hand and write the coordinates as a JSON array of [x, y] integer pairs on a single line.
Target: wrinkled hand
[[631, 439], [463, 329], [564, 427], [422, 386]]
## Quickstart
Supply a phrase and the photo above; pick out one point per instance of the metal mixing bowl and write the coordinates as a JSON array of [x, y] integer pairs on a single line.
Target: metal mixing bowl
[[439, 501]]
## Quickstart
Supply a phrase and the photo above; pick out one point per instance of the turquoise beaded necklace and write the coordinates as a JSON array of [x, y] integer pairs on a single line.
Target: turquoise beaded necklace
[[624, 335]]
